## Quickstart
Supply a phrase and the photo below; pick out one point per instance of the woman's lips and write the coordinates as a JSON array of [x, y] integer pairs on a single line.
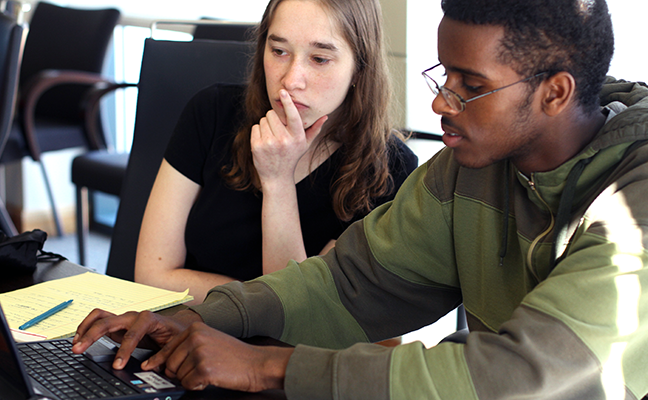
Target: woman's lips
[[298, 105]]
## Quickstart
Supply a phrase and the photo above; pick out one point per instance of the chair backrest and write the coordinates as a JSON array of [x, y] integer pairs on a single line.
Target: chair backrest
[[239, 32], [65, 38], [12, 37], [171, 73]]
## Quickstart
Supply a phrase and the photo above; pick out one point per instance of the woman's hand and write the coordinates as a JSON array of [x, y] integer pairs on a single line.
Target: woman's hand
[[130, 329], [202, 356], [278, 146]]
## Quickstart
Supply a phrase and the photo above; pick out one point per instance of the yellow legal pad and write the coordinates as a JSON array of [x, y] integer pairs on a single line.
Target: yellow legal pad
[[89, 290]]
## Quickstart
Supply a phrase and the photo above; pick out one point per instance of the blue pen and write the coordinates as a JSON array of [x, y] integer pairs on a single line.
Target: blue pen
[[44, 315]]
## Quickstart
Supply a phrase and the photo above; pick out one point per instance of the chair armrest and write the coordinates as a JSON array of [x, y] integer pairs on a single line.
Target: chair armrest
[[91, 107], [425, 135], [41, 83], [410, 134]]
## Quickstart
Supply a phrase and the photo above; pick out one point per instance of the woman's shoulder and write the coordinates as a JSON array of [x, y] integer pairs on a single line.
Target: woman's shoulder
[[401, 155], [205, 128], [215, 110]]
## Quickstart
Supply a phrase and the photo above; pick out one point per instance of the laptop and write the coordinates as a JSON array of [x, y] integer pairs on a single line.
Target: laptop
[[49, 370]]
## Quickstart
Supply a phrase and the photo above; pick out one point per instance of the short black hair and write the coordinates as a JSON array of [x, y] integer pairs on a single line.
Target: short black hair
[[548, 36]]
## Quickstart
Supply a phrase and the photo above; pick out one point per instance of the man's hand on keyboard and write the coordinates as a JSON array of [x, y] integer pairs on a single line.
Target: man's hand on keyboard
[[202, 356], [132, 330]]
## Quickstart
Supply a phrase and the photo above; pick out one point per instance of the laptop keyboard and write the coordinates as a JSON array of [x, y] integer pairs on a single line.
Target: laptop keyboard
[[68, 375]]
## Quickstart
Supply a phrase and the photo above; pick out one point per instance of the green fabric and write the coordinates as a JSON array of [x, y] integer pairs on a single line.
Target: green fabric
[[577, 331], [314, 373], [445, 362], [394, 239], [314, 315]]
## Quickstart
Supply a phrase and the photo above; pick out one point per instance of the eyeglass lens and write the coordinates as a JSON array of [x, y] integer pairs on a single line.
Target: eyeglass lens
[[435, 78], [452, 99]]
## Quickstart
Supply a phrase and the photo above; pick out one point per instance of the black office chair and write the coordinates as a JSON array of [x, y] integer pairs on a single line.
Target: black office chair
[[172, 72], [63, 58], [224, 30], [103, 171], [12, 39]]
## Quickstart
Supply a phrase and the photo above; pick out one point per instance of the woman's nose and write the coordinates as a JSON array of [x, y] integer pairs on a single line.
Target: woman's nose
[[295, 76]]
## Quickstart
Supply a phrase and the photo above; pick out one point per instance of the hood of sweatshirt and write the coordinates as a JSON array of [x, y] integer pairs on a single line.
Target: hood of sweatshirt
[[626, 104], [562, 189]]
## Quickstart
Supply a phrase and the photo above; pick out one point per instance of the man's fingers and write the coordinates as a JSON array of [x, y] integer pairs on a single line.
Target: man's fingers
[[196, 359], [88, 321], [160, 358], [177, 362], [190, 377], [97, 324], [187, 372], [132, 338]]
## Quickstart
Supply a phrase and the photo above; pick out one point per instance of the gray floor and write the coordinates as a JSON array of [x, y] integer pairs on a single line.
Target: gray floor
[[97, 249]]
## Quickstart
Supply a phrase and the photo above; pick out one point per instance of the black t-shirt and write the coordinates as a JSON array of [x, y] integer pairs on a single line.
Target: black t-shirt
[[223, 233]]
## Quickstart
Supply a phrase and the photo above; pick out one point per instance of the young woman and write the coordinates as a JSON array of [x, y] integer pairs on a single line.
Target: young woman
[[275, 171]]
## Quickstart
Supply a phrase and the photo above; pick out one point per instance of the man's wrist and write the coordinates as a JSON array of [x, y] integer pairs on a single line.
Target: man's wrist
[[187, 317], [274, 366]]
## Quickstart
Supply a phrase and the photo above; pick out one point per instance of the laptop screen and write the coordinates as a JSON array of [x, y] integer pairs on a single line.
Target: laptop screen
[[11, 370]]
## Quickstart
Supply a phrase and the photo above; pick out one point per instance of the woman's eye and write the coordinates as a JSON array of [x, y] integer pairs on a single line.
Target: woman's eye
[[321, 60], [278, 52]]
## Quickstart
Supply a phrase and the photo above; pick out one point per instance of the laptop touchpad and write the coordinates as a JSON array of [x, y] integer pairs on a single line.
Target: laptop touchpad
[[105, 349]]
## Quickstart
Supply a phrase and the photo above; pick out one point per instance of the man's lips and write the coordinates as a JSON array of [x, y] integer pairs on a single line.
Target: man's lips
[[452, 136]]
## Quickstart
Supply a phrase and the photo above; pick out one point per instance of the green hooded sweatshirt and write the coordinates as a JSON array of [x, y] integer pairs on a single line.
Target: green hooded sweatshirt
[[550, 268]]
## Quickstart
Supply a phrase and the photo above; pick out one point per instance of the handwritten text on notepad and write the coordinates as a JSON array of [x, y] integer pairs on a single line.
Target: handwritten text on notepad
[[89, 291]]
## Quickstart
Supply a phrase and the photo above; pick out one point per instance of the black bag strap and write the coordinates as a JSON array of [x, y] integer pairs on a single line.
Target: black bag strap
[[47, 256]]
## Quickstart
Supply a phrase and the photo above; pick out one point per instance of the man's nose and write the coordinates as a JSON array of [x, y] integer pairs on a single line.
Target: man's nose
[[441, 106]]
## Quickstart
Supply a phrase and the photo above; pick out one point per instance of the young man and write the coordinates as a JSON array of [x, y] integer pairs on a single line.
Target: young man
[[534, 216]]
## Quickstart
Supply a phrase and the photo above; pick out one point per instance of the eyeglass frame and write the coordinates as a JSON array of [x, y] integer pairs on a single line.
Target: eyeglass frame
[[445, 92]]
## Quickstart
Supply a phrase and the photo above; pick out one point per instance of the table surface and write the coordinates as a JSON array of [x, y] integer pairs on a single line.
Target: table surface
[[50, 271]]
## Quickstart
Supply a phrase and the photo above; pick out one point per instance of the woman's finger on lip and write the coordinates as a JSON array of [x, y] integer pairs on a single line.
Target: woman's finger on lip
[[292, 114]]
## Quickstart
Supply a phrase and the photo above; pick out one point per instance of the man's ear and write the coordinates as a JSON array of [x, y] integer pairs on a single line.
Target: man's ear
[[558, 92]]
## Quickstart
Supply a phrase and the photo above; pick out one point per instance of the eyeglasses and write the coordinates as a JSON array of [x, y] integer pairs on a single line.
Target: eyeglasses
[[455, 101]]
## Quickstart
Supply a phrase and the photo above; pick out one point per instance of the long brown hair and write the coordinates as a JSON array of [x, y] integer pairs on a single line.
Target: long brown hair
[[363, 125]]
